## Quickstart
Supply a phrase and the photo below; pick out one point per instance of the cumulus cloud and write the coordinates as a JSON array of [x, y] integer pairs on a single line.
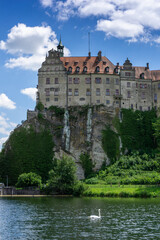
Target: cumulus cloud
[[30, 92], [29, 45], [5, 102], [46, 3], [141, 17], [5, 128]]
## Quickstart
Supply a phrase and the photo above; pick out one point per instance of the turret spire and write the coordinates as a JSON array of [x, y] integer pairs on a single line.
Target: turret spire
[[60, 47]]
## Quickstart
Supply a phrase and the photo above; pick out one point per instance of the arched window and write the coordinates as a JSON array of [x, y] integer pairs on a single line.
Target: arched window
[[85, 69], [77, 69], [107, 69], [97, 69], [70, 69]]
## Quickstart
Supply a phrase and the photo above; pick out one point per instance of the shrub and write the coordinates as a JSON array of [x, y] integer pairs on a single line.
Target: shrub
[[29, 180], [40, 106], [62, 178], [87, 164]]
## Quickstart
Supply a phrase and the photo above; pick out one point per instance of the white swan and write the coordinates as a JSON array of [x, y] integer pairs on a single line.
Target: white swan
[[94, 217]]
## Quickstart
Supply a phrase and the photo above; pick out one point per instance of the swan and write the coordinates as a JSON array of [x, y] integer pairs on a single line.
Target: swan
[[94, 217]]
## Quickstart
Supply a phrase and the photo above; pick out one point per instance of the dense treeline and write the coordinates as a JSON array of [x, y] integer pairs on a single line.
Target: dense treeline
[[27, 151]]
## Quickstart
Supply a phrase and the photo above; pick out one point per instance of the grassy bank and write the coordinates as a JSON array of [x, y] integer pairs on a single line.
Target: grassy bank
[[102, 190]]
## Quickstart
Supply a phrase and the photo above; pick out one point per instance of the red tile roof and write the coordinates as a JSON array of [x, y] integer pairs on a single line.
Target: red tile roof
[[91, 64]]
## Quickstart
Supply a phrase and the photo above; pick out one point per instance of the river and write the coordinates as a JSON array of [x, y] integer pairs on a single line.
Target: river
[[68, 218]]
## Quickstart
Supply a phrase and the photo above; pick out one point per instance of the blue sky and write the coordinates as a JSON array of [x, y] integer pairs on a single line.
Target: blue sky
[[29, 28]]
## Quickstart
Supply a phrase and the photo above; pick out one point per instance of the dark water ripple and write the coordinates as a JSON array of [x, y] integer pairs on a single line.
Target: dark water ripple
[[68, 218]]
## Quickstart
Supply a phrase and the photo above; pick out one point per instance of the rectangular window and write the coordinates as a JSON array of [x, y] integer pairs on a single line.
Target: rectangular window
[[127, 74], [140, 108], [47, 80], [142, 85], [155, 97], [98, 101], [149, 108], [128, 84], [117, 92], [76, 80], [70, 80], [128, 94], [56, 81], [158, 85], [98, 92], [56, 99], [88, 92], [117, 81], [76, 92], [69, 92], [131, 106], [47, 90], [98, 80], [107, 92], [107, 81], [143, 95], [88, 80], [107, 102], [56, 91], [52, 89], [47, 99]]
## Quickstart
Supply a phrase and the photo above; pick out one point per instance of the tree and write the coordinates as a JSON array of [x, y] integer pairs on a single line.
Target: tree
[[62, 178], [29, 180]]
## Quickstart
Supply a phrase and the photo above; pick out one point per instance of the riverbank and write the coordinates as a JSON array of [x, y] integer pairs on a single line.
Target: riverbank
[[102, 190]]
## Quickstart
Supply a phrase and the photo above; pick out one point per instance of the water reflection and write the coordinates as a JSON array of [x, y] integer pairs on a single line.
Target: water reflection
[[68, 218]]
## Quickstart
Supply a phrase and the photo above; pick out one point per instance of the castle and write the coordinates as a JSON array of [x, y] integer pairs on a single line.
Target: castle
[[74, 81]]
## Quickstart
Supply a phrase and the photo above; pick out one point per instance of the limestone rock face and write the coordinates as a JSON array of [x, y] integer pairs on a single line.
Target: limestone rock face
[[85, 126]]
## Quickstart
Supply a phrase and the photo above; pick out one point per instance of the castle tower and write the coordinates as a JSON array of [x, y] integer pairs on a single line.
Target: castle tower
[[60, 48]]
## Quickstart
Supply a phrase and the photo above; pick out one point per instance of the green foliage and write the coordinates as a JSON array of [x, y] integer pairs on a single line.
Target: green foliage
[[40, 106], [58, 111], [110, 143], [133, 169], [136, 130], [156, 127], [62, 178], [87, 164], [78, 189], [28, 151], [93, 180], [40, 116], [29, 180]]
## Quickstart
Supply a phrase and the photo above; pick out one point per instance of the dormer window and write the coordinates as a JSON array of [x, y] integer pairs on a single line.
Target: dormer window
[[142, 75], [97, 69], [75, 63], [70, 69], [84, 63], [77, 69], [66, 63], [116, 70], [104, 63], [107, 69], [85, 69]]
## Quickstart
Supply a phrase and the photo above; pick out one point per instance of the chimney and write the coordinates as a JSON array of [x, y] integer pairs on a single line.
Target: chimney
[[147, 67], [89, 54], [99, 55], [117, 65]]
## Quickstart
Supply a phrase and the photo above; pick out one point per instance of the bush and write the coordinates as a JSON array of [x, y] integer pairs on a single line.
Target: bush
[[78, 189], [40, 106], [29, 180], [62, 178], [87, 164]]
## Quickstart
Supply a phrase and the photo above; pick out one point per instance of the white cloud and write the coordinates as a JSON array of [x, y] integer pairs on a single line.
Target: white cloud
[[30, 92], [29, 45], [5, 128], [46, 3], [119, 28], [5, 102], [140, 16], [2, 140]]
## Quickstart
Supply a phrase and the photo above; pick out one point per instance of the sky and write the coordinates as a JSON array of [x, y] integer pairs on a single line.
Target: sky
[[30, 28]]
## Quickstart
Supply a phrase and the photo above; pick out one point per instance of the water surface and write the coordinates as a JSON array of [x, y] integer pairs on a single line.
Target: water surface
[[68, 218]]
